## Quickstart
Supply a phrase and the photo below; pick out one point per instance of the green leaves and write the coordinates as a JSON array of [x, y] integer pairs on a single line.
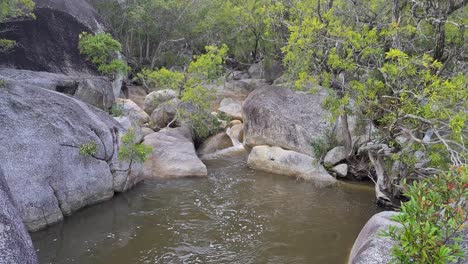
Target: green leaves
[[162, 79], [130, 150], [432, 220], [88, 149], [101, 49], [208, 66]]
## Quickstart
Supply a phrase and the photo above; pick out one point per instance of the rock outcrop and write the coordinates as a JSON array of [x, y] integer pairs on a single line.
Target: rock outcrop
[[15, 244], [49, 42], [370, 247], [285, 162], [281, 117], [43, 133], [173, 155], [94, 90]]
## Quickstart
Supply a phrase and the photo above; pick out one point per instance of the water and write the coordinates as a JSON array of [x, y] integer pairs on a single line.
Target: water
[[236, 215]]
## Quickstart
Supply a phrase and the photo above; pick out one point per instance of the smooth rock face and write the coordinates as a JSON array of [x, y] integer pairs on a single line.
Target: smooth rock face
[[334, 156], [370, 247], [232, 108], [238, 90], [146, 131], [214, 143], [280, 117], [164, 114], [15, 244], [42, 132], [133, 111], [236, 133], [49, 42], [154, 99], [285, 162], [341, 170], [173, 155], [96, 91]]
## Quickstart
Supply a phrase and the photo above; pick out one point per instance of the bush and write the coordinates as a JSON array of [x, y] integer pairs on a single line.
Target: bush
[[101, 49], [432, 220], [131, 150], [117, 110], [88, 149], [162, 78]]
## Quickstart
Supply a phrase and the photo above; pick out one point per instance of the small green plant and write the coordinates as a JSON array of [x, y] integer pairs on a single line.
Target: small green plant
[[432, 220], [2, 83], [131, 150], [101, 49], [88, 149], [224, 117], [162, 78], [117, 110]]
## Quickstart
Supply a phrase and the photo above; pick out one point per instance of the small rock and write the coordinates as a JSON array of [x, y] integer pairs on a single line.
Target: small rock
[[133, 111], [164, 114], [341, 170], [154, 99], [234, 122], [232, 108], [335, 156], [214, 143], [146, 131]]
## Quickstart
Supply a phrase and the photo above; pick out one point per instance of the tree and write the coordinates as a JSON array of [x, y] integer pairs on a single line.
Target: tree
[[377, 66], [11, 10]]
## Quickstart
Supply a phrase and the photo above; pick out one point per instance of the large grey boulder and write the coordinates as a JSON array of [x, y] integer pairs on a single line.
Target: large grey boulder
[[370, 247], [173, 155], [42, 134], [15, 244], [231, 108], [285, 162], [94, 90], [238, 89], [49, 42], [156, 98], [281, 117]]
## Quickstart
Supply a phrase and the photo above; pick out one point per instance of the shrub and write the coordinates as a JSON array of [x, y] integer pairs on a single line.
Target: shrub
[[101, 49], [432, 220], [162, 78], [131, 150], [117, 110], [88, 149], [208, 66]]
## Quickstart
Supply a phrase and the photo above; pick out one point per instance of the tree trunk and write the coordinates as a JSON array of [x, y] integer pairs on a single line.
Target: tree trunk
[[439, 40]]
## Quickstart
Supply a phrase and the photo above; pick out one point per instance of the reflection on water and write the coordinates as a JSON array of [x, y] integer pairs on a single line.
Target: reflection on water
[[236, 215]]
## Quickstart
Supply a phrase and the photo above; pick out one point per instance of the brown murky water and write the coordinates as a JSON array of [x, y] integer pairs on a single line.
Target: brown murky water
[[236, 215]]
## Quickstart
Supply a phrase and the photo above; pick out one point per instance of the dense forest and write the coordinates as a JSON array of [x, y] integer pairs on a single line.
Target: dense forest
[[393, 69]]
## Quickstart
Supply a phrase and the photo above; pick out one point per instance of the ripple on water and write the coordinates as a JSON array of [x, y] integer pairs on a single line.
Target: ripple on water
[[236, 215]]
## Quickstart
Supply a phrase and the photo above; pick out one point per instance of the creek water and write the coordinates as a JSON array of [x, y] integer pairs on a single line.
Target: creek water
[[235, 215]]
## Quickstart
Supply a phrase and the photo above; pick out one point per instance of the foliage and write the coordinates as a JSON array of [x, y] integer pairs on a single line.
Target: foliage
[[14, 10], [432, 220], [396, 65], [88, 149], [162, 79], [101, 49], [208, 66], [117, 110], [131, 150]]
